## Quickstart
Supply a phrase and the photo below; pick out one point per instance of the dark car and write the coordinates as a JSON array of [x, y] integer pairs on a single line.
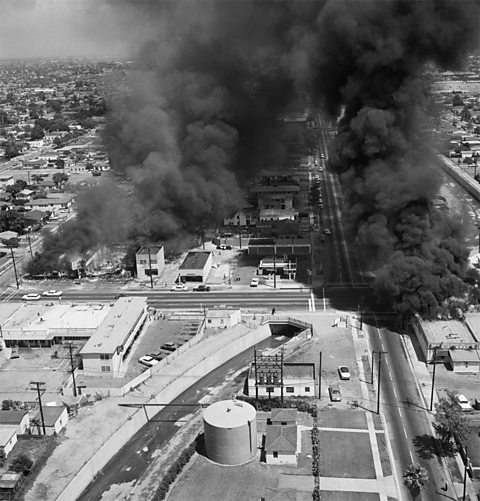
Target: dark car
[[158, 356], [201, 288], [169, 346]]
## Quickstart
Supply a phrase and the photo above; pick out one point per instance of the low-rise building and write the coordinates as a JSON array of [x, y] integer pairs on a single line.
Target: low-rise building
[[196, 266], [453, 342], [150, 261], [53, 203], [223, 318], [19, 419], [281, 445], [283, 417], [107, 350], [8, 438], [55, 419], [6, 181]]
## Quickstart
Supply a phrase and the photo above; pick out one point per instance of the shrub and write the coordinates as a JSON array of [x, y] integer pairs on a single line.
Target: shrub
[[21, 464]]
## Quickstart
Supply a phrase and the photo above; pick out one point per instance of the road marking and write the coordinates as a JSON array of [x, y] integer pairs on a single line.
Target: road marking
[[405, 432], [312, 297], [411, 456], [395, 392]]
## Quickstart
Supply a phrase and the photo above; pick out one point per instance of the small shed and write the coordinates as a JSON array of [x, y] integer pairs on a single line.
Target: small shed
[[16, 418], [223, 318], [283, 417], [9, 483], [55, 419], [8, 438]]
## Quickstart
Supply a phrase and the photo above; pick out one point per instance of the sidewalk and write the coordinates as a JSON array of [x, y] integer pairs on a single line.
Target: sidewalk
[[106, 417]]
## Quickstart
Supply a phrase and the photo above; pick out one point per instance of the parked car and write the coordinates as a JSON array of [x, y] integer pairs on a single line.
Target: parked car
[[31, 297], [343, 372], [179, 288], [158, 356], [463, 403], [222, 247], [322, 155], [327, 231], [169, 346], [52, 293], [254, 282], [335, 395], [201, 288], [148, 360]]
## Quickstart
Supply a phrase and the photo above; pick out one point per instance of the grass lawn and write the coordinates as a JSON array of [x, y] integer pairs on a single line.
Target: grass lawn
[[346, 455], [349, 496], [207, 481], [382, 448], [333, 418]]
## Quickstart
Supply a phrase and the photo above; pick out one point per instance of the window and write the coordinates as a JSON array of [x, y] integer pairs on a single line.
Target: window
[[209, 321], [289, 389], [275, 454], [105, 368], [153, 261], [283, 423], [269, 389], [104, 357], [307, 388]]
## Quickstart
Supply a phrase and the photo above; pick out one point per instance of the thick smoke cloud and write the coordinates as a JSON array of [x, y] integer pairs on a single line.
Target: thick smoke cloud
[[198, 122], [371, 59]]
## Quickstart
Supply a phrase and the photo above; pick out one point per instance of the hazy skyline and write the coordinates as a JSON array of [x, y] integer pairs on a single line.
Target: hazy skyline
[[70, 28]]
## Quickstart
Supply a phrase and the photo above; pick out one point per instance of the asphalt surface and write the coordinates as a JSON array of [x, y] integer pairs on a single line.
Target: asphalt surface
[[131, 461]]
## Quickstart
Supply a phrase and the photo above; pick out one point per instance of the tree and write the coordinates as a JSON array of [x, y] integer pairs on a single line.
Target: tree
[[37, 133], [21, 464], [59, 178], [19, 185], [465, 114], [60, 163], [457, 100], [415, 478], [12, 149], [450, 423]]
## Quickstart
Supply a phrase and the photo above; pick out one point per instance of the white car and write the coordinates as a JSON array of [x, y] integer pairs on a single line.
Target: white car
[[179, 288], [327, 231], [52, 293], [343, 372], [463, 403], [148, 361], [31, 297], [254, 282]]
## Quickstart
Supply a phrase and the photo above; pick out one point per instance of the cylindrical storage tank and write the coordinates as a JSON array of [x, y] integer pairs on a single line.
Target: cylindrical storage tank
[[230, 429]]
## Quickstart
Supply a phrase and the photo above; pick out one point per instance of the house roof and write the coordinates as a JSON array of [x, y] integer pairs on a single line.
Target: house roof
[[12, 416], [281, 439], [195, 261], [6, 434], [289, 415], [464, 355], [50, 414]]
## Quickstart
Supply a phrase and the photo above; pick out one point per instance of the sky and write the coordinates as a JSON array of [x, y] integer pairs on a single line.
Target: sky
[[70, 28]]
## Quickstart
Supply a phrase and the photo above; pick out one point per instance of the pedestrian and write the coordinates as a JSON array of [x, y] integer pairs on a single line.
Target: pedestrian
[[273, 311]]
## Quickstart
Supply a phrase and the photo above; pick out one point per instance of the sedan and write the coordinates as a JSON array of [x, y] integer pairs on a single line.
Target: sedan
[[179, 288], [254, 282], [52, 293], [31, 297], [327, 231], [343, 372], [148, 361], [335, 395]]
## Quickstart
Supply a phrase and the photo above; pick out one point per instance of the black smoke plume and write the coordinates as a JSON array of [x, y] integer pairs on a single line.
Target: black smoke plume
[[371, 59]]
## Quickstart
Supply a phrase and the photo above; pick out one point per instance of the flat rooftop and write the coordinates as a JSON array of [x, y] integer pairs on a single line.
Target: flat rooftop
[[116, 326], [152, 249], [195, 261], [447, 331], [221, 313]]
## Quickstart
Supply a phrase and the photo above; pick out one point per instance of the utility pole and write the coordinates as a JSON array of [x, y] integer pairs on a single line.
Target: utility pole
[[380, 353], [150, 267], [30, 245], [37, 384], [320, 377], [465, 474], [433, 377], [373, 354], [275, 264], [361, 313], [15, 268], [73, 370]]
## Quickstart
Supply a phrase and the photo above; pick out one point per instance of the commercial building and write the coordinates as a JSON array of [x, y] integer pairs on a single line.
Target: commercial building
[[150, 261], [230, 430], [44, 324], [280, 247], [452, 342], [107, 350], [196, 266]]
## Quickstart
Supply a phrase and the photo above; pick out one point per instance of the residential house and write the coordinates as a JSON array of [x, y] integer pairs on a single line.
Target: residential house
[[8, 438], [281, 445], [19, 419], [283, 417], [55, 418]]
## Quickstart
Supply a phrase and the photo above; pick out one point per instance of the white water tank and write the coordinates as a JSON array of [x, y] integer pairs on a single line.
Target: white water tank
[[230, 429]]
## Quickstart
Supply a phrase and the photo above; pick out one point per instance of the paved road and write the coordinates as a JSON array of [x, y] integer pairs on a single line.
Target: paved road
[[131, 461]]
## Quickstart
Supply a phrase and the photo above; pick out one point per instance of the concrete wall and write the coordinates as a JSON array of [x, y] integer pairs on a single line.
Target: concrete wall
[[464, 180], [127, 429], [281, 459]]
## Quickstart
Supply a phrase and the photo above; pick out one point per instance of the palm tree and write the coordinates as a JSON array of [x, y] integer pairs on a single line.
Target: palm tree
[[415, 478]]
